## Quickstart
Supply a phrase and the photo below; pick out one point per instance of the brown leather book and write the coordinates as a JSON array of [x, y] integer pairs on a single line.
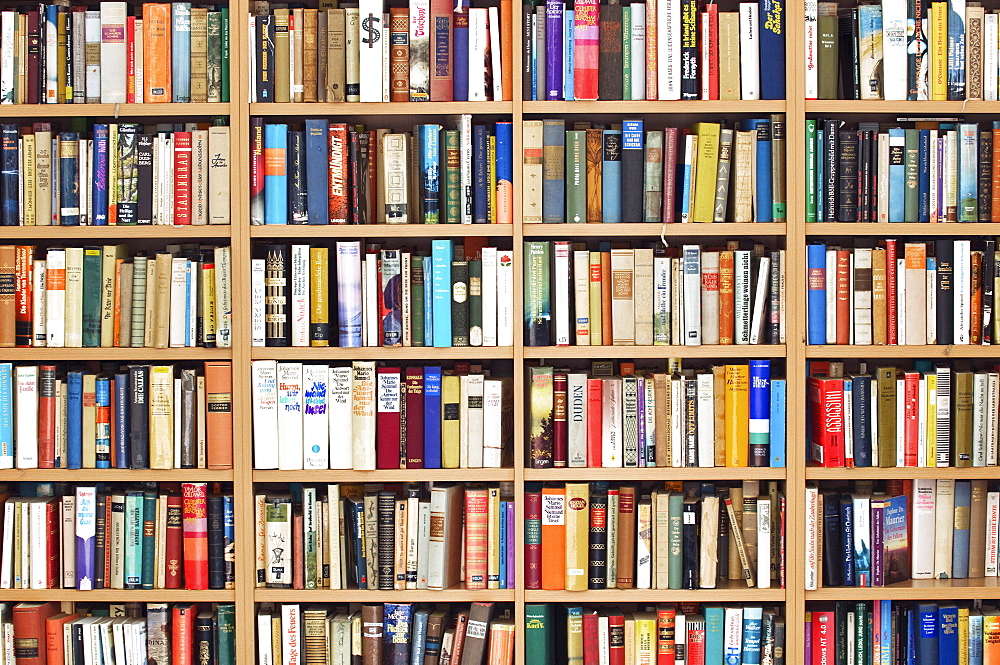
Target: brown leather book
[[976, 303], [29, 631], [962, 432], [309, 69], [298, 552], [219, 414], [322, 34], [399, 54], [8, 278], [199, 55], [458, 645], [719, 398], [371, 634], [995, 190], [336, 62], [477, 633], [880, 333], [727, 296], [626, 537], [606, 331], [595, 162], [435, 631]]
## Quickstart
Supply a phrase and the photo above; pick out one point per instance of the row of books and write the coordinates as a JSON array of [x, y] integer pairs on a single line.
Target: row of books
[[106, 296], [157, 52], [166, 537], [701, 633], [651, 50], [926, 292], [933, 171], [334, 173], [581, 536], [474, 634], [456, 294], [903, 631], [366, 417], [124, 633], [128, 417], [125, 174], [624, 296], [727, 415], [927, 415], [936, 51], [713, 172], [393, 537], [920, 529], [423, 51]]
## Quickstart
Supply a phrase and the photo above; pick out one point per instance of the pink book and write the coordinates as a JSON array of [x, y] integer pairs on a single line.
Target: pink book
[[586, 49]]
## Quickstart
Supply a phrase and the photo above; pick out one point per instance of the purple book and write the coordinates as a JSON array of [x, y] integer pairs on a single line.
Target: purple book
[[554, 49], [86, 531], [511, 568]]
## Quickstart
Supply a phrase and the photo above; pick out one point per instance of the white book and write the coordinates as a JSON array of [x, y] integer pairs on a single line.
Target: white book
[[463, 420], [661, 300], [178, 302], [363, 415], [73, 312], [371, 283], [604, 640], [505, 299], [944, 521], [497, 406], [962, 285], [749, 50], [298, 314], [576, 418], [38, 577], [423, 543], [338, 407], [812, 538], [86, 529], [52, 61], [692, 295], [489, 291], [257, 309], [463, 123], [412, 537], [371, 31], [894, 56], [676, 422], [706, 419], [315, 421], [116, 540], [708, 562], [930, 289], [561, 304], [763, 542], [811, 30], [26, 415], [264, 638], [191, 305], [831, 296], [900, 423], [992, 398], [644, 545], [732, 639], [991, 35], [332, 526], [611, 435], [67, 509], [638, 42], [668, 49], [289, 375], [475, 399], [760, 299], [922, 557], [291, 634], [495, 53], [742, 289], [114, 56], [980, 390], [992, 530], [38, 291], [478, 46], [921, 419]]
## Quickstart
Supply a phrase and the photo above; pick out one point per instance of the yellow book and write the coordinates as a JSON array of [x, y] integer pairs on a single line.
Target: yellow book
[[64, 87], [109, 261], [282, 84], [319, 297], [719, 403], [577, 535], [89, 428], [161, 417], [574, 635], [493, 539], [645, 637], [451, 395], [737, 414], [939, 51], [629, 638], [931, 434], [208, 304], [963, 636], [28, 152], [706, 171], [596, 315]]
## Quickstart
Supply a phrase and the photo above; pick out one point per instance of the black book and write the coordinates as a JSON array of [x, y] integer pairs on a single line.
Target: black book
[[216, 546], [276, 294], [865, 192], [298, 212], [9, 174], [265, 59], [609, 75], [944, 253], [779, 640], [985, 175], [527, 35], [847, 179], [988, 248], [460, 303], [862, 434], [386, 540], [100, 539], [833, 542], [204, 638], [831, 149], [722, 546], [78, 644], [847, 19], [365, 150], [144, 178], [690, 546], [633, 156], [840, 609], [690, 423], [597, 560], [690, 74], [138, 380]]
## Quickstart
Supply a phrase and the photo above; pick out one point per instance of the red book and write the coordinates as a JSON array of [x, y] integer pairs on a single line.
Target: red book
[[175, 542], [23, 255], [130, 67], [29, 631], [669, 173], [843, 296], [586, 48], [195, 508], [560, 430], [696, 645], [256, 170], [182, 177], [594, 422], [665, 641], [298, 552], [442, 85], [591, 639], [476, 537], [710, 51], [54, 642], [387, 418], [824, 629], [616, 638], [890, 290], [337, 133], [374, 215], [414, 418], [826, 406], [533, 539], [46, 416], [53, 545], [182, 634], [911, 418], [34, 95]]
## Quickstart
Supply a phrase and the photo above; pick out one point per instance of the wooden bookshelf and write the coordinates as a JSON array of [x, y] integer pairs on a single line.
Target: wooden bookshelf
[[901, 351], [727, 230], [984, 587], [117, 110], [663, 351], [458, 594], [893, 230], [55, 234], [335, 231], [398, 353], [147, 354]]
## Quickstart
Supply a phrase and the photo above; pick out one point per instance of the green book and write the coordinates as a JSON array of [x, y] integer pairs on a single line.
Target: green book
[[92, 258], [475, 303], [214, 69], [810, 170], [309, 528], [538, 629], [225, 53], [862, 629], [576, 176], [653, 175], [417, 300], [626, 53], [452, 177], [537, 311], [133, 540], [148, 539], [911, 169], [676, 504], [226, 635]]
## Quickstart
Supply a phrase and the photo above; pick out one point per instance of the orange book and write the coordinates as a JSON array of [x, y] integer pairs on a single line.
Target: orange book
[[219, 414], [476, 537], [182, 634], [991, 637], [507, 49], [117, 328], [156, 52], [606, 332], [54, 643], [399, 54], [553, 538], [995, 190], [727, 295], [30, 631]]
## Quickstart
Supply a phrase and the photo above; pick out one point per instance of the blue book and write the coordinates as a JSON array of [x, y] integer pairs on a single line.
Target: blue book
[[74, 420], [432, 417], [927, 635], [428, 303], [10, 210], [69, 178], [317, 171], [847, 526], [760, 412], [147, 563], [956, 50], [441, 256], [275, 175], [553, 185], [777, 423], [180, 51], [396, 638], [568, 60], [534, 56], [924, 177], [887, 633], [611, 177], [772, 48], [715, 633], [7, 415], [505, 164], [429, 170], [102, 399], [86, 513], [975, 637], [99, 177], [480, 177], [553, 49], [419, 638], [861, 404], [960, 538], [762, 167], [897, 173], [968, 172], [460, 52], [947, 634], [816, 280], [752, 618], [229, 536]]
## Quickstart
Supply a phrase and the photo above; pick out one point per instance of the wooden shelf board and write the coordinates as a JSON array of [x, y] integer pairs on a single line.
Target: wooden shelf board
[[381, 108], [726, 594], [983, 587], [451, 595], [904, 472], [116, 475], [671, 351], [903, 351], [644, 107], [114, 110], [144, 354], [334, 231], [889, 230], [899, 108], [384, 476], [382, 353], [656, 473], [69, 233], [119, 595], [652, 229]]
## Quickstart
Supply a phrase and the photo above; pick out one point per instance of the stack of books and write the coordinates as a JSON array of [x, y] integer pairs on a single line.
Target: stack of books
[[649, 295], [121, 417], [114, 54], [380, 537], [692, 632], [596, 172], [426, 51], [726, 415], [454, 294], [936, 51], [356, 417], [473, 634], [179, 632], [652, 50], [656, 536], [334, 173], [105, 296], [930, 415], [920, 632], [927, 292], [175, 536], [122, 174]]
